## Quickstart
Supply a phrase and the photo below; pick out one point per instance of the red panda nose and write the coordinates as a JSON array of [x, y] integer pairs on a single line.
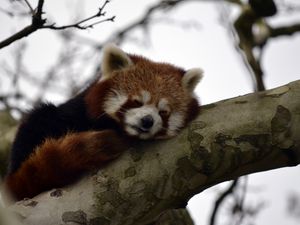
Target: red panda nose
[[147, 122]]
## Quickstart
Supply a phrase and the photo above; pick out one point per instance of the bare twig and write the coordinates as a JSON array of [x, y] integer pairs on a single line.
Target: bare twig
[[30, 7], [240, 45], [243, 26], [145, 19], [239, 202], [39, 23], [79, 25], [284, 30], [220, 200]]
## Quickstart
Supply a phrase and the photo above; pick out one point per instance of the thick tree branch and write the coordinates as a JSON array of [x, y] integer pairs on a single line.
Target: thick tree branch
[[231, 138]]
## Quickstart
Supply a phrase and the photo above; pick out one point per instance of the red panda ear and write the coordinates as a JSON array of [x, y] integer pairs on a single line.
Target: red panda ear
[[191, 78], [113, 59]]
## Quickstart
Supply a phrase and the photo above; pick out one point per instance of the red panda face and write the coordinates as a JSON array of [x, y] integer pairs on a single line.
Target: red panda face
[[148, 99], [143, 115]]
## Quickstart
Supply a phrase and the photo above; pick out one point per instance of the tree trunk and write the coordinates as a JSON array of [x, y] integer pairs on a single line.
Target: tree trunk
[[243, 135]]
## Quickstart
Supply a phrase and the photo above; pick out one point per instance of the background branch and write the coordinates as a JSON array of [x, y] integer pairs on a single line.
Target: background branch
[[284, 30], [38, 22], [221, 199]]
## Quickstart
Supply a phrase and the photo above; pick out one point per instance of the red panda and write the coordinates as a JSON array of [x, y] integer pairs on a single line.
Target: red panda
[[134, 98]]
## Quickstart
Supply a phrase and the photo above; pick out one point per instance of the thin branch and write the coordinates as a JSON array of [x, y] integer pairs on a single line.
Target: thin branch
[[98, 14], [243, 27], [242, 46], [79, 25], [284, 30], [240, 202], [30, 7], [220, 200], [39, 23], [112, 19], [144, 20]]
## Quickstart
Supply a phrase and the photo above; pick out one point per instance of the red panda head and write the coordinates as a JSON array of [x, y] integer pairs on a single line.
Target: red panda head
[[148, 99]]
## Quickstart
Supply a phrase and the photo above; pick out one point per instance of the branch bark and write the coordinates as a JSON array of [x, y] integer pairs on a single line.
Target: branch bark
[[231, 138]]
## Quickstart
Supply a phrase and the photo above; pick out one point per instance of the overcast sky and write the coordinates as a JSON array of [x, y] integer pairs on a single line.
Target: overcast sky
[[206, 44]]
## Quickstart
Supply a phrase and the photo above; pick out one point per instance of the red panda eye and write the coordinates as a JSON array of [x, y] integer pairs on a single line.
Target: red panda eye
[[136, 103], [163, 113]]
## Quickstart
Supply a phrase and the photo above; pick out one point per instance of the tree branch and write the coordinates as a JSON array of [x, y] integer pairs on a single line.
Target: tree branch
[[83, 27], [144, 21], [284, 30], [39, 23], [239, 136], [30, 7], [36, 23], [221, 199], [243, 26]]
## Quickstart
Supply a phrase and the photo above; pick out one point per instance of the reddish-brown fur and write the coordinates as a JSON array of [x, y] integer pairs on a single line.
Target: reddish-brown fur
[[95, 98], [160, 79], [57, 161]]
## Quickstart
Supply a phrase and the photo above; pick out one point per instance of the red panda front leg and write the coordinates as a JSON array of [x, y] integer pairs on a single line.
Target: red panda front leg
[[58, 162]]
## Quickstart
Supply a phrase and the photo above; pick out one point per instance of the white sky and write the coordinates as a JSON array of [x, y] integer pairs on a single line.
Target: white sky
[[209, 47]]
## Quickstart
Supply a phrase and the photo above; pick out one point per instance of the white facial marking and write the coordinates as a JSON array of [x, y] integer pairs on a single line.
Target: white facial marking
[[134, 116], [130, 130], [114, 101], [137, 98], [176, 121], [163, 105], [146, 96]]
